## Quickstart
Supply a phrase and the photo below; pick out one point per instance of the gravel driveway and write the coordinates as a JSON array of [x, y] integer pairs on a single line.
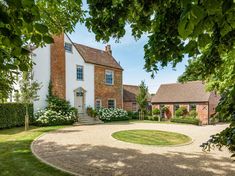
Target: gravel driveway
[[91, 150]]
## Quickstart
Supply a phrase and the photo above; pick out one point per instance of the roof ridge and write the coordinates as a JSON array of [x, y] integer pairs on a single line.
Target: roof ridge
[[130, 85], [182, 83], [89, 47]]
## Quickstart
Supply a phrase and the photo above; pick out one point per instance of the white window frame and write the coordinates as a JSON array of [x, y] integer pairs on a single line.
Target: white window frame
[[109, 71], [114, 100], [99, 101], [82, 73], [66, 49]]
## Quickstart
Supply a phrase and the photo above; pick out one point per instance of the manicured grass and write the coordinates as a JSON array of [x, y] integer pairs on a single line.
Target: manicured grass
[[151, 137], [16, 158]]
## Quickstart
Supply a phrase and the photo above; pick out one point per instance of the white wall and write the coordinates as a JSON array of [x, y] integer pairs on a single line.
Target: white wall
[[72, 60], [41, 73]]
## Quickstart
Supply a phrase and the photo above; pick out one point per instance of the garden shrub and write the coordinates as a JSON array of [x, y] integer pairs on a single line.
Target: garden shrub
[[155, 118], [133, 115], [182, 111], [91, 112], [112, 114], [156, 111], [59, 105], [58, 112], [48, 117], [188, 120], [13, 114], [192, 113]]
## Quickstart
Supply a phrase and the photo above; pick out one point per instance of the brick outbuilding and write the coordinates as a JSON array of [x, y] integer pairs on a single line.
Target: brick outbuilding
[[191, 95]]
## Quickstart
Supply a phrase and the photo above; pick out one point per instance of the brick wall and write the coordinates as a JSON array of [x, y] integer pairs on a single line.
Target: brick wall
[[201, 109], [128, 106], [58, 67], [213, 102], [104, 91]]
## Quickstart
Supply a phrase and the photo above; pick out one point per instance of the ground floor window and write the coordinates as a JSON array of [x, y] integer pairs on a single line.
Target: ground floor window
[[98, 104], [176, 107], [162, 110], [134, 106], [192, 107], [111, 103]]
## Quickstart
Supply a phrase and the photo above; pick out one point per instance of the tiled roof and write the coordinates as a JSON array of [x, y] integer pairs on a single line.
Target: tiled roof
[[193, 91], [96, 56], [130, 92]]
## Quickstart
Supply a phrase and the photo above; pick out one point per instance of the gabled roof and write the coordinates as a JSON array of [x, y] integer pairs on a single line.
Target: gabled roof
[[130, 92], [193, 91], [96, 56]]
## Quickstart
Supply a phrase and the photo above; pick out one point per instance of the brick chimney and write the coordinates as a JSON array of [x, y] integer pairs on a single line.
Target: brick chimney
[[58, 66], [108, 49]]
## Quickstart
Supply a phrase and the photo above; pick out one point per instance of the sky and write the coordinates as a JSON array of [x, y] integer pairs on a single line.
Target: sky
[[130, 54]]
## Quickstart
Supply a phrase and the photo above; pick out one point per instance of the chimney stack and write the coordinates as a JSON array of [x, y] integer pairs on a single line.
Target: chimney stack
[[108, 49]]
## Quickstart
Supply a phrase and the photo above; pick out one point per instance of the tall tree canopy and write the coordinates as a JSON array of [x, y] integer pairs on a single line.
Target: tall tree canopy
[[25, 23], [204, 30]]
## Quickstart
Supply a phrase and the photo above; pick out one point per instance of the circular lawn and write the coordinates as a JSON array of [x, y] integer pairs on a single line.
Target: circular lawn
[[151, 137]]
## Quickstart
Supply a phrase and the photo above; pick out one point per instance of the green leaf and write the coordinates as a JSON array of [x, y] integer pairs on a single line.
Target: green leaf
[[203, 40], [190, 47], [41, 28], [23, 67], [28, 3], [198, 14], [185, 27], [36, 38], [48, 39], [227, 4]]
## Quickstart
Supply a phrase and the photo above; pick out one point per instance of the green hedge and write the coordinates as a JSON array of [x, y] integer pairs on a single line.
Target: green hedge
[[13, 114], [188, 120]]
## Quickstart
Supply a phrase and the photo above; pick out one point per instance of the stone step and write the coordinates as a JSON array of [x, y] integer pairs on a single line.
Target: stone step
[[84, 119]]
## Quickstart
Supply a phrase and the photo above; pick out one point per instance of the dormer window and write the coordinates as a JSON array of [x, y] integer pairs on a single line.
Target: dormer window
[[68, 47], [109, 78]]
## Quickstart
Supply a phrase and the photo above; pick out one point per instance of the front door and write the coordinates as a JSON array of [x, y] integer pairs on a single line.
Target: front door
[[79, 102]]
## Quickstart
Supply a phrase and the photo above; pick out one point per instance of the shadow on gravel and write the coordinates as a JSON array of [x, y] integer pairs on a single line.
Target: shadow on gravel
[[103, 160]]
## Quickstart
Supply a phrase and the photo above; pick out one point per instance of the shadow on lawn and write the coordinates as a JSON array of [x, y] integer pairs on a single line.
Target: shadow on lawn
[[104, 160]]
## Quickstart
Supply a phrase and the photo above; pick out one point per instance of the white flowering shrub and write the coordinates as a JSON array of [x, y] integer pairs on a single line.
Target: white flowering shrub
[[112, 114], [49, 117]]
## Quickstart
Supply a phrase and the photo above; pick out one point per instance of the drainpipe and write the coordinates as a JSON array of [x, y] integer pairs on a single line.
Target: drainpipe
[[208, 115]]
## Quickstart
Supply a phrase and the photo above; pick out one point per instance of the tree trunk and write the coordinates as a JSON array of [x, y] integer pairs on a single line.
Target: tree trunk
[[26, 117]]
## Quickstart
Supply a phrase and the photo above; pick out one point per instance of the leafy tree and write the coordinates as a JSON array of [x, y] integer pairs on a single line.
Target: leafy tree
[[28, 93], [142, 98], [204, 30], [25, 24]]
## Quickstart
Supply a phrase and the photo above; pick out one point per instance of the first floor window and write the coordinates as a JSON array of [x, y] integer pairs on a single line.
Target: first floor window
[[98, 104], [109, 77], [111, 103], [80, 73]]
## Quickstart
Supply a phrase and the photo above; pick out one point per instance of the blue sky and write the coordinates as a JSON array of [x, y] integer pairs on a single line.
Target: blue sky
[[130, 54]]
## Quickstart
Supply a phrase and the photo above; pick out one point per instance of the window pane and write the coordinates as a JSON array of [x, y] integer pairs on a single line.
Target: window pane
[[68, 47], [109, 77], [98, 104], [176, 106], [111, 104], [79, 72], [192, 107]]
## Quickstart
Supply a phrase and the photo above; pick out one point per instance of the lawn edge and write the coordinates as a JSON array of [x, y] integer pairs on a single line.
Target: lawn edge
[[146, 145], [46, 162]]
